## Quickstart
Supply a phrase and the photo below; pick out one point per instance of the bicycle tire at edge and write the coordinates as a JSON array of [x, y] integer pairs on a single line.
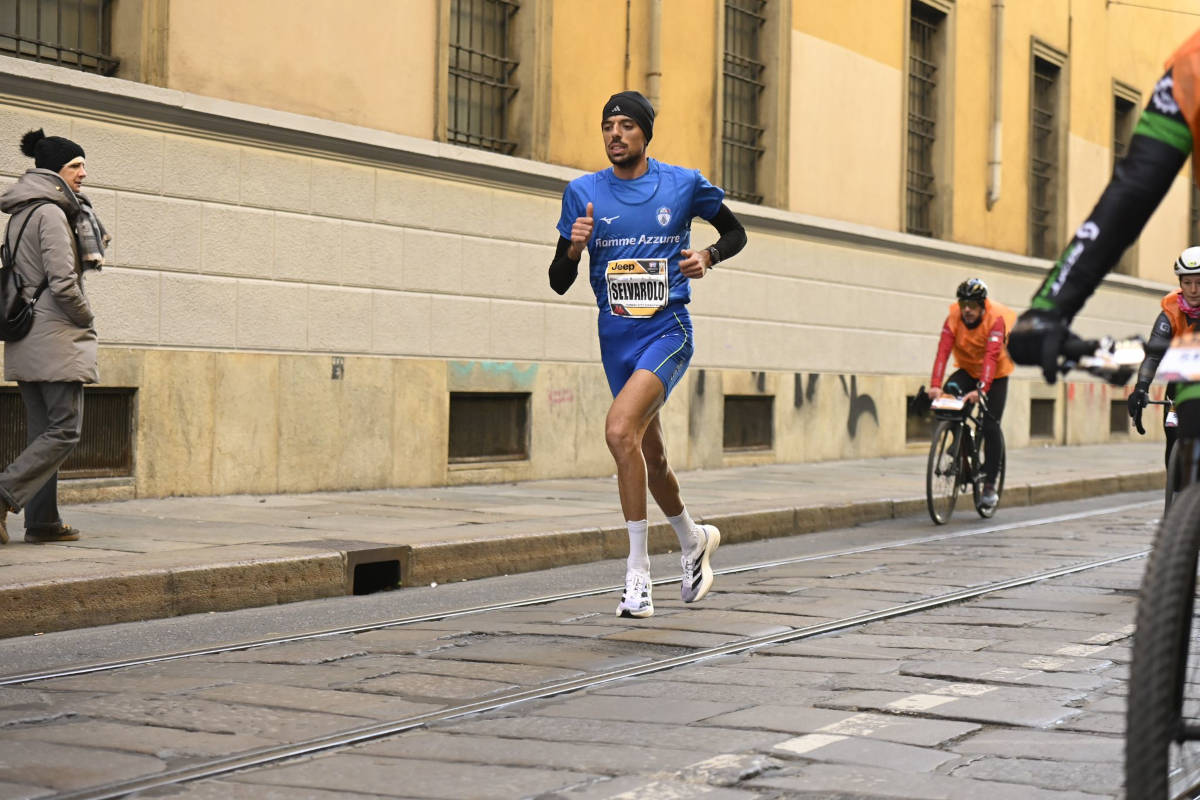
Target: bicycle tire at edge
[[1160, 648], [943, 429]]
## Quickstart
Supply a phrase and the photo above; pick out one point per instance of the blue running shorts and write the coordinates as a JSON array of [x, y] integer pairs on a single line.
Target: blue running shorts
[[661, 344]]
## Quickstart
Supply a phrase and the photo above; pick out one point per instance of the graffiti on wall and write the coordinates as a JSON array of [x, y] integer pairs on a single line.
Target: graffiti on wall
[[859, 405], [804, 392]]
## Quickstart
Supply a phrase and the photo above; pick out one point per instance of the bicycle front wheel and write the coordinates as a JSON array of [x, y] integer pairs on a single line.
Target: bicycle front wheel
[[942, 471], [1172, 480], [1162, 736], [977, 488]]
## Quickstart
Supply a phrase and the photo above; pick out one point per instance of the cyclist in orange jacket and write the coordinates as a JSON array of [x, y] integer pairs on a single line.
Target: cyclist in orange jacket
[[976, 330], [1180, 314]]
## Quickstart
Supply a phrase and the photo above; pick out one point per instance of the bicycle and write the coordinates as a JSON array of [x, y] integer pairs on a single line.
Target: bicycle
[[956, 457], [1162, 731]]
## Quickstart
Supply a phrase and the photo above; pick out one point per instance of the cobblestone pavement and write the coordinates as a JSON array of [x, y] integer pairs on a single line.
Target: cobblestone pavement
[[1017, 694]]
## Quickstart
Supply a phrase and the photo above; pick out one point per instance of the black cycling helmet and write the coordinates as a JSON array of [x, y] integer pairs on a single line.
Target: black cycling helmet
[[972, 289]]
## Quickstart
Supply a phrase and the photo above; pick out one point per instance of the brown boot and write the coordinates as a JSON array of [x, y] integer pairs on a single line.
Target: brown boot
[[51, 533], [3, 527]]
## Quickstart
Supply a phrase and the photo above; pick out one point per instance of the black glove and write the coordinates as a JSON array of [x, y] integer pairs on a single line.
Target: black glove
[[1137, 401], [1037, 340]]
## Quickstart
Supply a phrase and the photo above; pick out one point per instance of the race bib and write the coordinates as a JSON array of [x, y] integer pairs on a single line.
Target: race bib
[[1182, 361], [637, 287]]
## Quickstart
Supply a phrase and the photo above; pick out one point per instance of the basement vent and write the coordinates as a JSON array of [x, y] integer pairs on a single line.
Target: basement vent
[[1041, 419], [105, 449], [749, 422], [489, 426]]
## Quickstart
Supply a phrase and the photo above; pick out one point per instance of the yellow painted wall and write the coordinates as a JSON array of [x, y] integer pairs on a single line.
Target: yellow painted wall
[[369, 63], [588, 64], [581, 85], [845, 155], [869, 28]]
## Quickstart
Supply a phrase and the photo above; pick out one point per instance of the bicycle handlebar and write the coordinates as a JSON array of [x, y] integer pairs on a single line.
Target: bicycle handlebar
[[1112, 360]]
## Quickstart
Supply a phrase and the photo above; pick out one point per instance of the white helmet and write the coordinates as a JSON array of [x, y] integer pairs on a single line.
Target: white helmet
[[1188, 262]]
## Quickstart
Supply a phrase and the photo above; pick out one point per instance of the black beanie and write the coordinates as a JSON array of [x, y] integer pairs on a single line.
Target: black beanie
[[49, 152], [632, 105]]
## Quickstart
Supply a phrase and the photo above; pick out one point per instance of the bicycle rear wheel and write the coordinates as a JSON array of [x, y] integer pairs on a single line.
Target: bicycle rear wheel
[[1163, 707], [977, 487], [942, 471]]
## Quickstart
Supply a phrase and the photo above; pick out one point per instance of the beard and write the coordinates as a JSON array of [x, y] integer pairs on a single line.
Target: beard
[[628, 158]]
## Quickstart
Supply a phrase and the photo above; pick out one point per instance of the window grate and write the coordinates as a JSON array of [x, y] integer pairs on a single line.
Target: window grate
[[69, 33], [749, 422], [1118, 417], [1041, 418], [922, 118], [1124, 118], [742, 129], [481, 74], [488, 426], [105, 448], [1043, 161], [1194, 216], [1124, 115]]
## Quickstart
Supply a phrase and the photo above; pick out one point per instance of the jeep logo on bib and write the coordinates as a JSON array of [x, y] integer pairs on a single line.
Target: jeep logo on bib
[[664, 216]]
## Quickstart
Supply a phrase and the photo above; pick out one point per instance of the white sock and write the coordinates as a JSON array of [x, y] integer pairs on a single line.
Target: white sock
[[686, 530], [639, 551]]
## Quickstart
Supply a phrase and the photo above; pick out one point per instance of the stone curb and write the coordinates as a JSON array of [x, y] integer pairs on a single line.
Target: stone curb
[[150, 594]]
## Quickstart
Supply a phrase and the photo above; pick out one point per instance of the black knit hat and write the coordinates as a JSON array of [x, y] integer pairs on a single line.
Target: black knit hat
[[49, 152], [632, 105]]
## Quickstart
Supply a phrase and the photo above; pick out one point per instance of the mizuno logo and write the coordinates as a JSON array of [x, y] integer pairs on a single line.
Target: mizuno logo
[[610, 220]]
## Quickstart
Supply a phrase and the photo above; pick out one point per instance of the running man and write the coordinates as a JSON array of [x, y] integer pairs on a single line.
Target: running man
[[1166, 134], [634, 219], [976, 329]]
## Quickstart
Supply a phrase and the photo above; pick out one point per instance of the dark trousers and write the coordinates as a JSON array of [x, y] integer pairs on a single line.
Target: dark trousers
[[960, 382], [54, 417], [1171, 434]]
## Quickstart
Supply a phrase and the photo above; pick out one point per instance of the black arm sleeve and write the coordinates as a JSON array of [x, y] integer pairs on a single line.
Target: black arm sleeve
[[733, 235], [563, 271], [1156, 347], [1138, 184]]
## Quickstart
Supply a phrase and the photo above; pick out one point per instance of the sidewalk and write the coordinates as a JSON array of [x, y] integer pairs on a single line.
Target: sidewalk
[[142, 559]]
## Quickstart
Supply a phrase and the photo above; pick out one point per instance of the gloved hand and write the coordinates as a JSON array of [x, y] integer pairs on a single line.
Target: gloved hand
[[1137, 401], [1037, 339]]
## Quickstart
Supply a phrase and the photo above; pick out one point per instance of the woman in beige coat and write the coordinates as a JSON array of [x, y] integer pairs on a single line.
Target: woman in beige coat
[[61, 237]]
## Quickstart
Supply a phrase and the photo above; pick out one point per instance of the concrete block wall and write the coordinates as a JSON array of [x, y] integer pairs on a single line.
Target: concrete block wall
[[243, 261]]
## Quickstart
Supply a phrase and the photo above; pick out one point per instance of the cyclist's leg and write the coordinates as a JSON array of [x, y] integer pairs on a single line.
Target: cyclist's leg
[[997, 396], [959, 383], [1172, 433], [1187, 409]]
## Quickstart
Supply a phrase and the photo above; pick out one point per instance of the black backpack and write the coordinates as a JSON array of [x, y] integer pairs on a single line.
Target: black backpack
[[16, 313]]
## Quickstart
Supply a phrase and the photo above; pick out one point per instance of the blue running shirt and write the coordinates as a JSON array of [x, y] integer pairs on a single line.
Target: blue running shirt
[[641, 225]]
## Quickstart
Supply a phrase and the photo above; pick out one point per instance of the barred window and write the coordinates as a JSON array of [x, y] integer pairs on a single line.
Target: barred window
[[70, 33], [1044, 159], [1125, 108], [742, 129], [1124, 117], [1194, 216], [482, 64], [924, 56]]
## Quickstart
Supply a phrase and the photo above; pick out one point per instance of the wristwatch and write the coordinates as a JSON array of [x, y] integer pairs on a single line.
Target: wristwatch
[[714, 256]]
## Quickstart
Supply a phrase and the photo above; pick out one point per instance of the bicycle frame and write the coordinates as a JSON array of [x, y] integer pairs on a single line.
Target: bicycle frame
[[951, 469]]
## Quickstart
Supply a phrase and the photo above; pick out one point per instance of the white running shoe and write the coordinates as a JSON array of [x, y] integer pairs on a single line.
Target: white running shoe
[[636, 601], [697, 571]]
